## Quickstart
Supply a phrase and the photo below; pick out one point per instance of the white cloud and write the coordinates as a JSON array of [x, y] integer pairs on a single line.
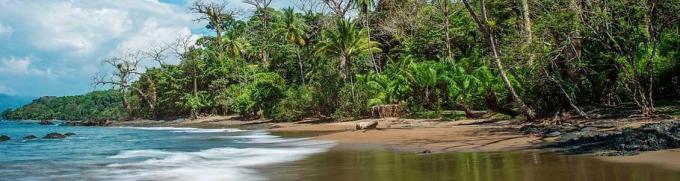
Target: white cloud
[[61, 41], [81, 27], [21, 66]]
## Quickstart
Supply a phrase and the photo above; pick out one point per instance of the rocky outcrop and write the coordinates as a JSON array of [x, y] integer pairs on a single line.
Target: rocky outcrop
[[30, 137], [629, 141], [361, 125], [69, 134], [46, 122], [88, 123], [4, 138], [54, 136]]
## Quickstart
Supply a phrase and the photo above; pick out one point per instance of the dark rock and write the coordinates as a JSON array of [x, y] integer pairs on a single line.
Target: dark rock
[[54, 136], [553, 134], [531, 129], [45, 122], [69, 134], [540, 130], [629, 141], [88, 123], [4, 138], [425, 152], [30, 137]]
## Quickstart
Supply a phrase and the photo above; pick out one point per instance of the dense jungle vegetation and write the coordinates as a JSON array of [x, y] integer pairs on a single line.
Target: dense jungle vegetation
[[339, 58]]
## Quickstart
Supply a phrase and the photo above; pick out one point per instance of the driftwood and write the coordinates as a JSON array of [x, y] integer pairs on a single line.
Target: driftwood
[[373, 124], [386, 111]]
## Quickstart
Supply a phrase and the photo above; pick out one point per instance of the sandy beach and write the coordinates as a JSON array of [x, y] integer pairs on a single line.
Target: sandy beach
[[421, 136]]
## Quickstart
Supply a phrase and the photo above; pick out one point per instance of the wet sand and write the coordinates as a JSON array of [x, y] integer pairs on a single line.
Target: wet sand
[[376, 164], [419, 136], [666, 158], [422, 136]]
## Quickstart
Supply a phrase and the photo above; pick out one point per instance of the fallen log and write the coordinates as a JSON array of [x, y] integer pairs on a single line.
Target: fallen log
[[362, 125]]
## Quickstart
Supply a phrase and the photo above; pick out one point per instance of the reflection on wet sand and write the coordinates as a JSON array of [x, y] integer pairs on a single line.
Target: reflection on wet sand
[[382, 165]]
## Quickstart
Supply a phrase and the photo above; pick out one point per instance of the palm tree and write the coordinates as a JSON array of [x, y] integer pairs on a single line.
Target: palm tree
[[234, 45], [344, 43], [294, 30], [364, 7]]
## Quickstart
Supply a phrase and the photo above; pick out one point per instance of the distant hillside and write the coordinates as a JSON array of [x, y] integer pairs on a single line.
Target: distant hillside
[[11, 102], [95, 105]]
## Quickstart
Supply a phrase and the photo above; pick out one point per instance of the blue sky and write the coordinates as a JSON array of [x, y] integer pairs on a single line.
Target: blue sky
[[55, 47]]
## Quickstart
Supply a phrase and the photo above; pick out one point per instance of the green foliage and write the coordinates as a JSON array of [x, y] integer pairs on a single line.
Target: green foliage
[[287, 65], [98, 105], [295, 105]]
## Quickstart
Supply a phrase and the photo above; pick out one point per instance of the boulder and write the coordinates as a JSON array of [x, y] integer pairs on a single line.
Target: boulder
[[4, 138], [373, 124], [69, 134], [45, 122], [30, 137], [54, 136]]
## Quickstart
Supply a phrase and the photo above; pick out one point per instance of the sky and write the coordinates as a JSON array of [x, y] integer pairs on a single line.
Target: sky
[[56, 47]]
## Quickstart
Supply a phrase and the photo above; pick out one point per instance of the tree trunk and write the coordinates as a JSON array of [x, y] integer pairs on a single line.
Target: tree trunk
[[126, 104], [492, 102], [527, 29], [482, 23], [218, 36], [449, 52], [368, 28], [302, 71]]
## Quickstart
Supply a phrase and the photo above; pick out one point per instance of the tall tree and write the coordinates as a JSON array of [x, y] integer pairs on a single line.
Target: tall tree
[[346, 42], [527, 29], [446, 11], [262, 12], [365, 7], [216, 13], [293, 30], [483, 25], [125, 71]]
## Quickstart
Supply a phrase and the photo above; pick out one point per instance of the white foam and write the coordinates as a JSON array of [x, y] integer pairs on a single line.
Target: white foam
[[212, 164]]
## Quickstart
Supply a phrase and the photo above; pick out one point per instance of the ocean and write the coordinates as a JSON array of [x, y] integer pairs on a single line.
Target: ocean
[[126, 153]]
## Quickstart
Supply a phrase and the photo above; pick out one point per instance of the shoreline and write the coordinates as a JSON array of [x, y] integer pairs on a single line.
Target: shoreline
[[420, 136]]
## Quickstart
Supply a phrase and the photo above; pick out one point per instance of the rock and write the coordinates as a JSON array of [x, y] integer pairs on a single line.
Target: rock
[[70, 134], [553, 134], [54, 136], [4, 138], [425, 152], [367, 125], [88, 123], [45, 122], [30, 137], [629, 141]]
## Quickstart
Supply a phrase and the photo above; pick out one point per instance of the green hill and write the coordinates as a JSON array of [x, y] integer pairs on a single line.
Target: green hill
[[94, 105]]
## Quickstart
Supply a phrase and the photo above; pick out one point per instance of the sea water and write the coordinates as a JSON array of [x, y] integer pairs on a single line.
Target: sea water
[[127, 153]]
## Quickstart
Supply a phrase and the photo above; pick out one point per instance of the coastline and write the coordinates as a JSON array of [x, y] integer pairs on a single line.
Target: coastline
[[421, 136]]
